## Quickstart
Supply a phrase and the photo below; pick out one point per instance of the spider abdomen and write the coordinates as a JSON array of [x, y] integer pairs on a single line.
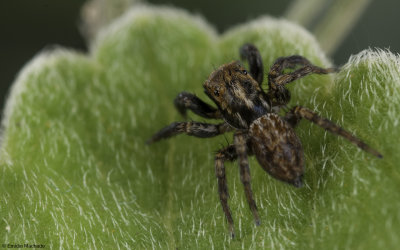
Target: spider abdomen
[[277, 148]]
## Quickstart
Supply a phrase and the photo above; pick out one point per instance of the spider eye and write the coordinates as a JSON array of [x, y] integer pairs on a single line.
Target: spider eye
[[244, 72], [216, 92]]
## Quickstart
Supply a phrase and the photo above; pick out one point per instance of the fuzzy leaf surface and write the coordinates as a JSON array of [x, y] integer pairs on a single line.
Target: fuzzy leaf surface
[[76, 173]]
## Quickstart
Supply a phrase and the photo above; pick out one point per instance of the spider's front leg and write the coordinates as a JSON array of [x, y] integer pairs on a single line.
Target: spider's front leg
[[197, 129], [298, 112], [277, 79], [240, 140], [250, 53], [185, 101]]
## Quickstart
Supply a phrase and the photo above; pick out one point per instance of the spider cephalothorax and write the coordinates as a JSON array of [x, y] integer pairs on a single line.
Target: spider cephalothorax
[[237, 95], [253, 114]]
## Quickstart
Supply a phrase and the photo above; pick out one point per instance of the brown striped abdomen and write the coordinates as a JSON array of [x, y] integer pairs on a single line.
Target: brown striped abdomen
[[277, 148]]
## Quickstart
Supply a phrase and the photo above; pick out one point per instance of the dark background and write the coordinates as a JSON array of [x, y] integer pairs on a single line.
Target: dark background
[[28, 26]]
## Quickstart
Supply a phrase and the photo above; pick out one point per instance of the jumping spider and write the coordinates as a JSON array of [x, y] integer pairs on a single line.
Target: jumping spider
[[253, 114]]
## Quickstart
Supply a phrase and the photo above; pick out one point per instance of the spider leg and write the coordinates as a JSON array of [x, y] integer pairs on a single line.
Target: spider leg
[[276, 77], [186, 100], [241, 150], [289, 62], [301, 112], [292, 118], [250, 53], [225, 154], [197, 129]]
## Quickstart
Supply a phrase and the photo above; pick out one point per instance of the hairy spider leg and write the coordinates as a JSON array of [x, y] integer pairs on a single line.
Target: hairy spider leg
[[197, 129], [185, 101], [225, 154], [288, 62], [240, 140], [250, 53], [277, 77], [298, 112]]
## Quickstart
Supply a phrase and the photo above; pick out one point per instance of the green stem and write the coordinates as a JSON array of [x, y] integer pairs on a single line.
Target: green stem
[[304, 12], [330, 20], [338, 22]]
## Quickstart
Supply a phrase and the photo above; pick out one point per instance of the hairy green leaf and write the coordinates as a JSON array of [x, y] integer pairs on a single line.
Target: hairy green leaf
[[76, 173]]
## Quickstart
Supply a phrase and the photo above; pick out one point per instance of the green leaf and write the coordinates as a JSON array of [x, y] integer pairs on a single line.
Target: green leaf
[[76, 173]]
